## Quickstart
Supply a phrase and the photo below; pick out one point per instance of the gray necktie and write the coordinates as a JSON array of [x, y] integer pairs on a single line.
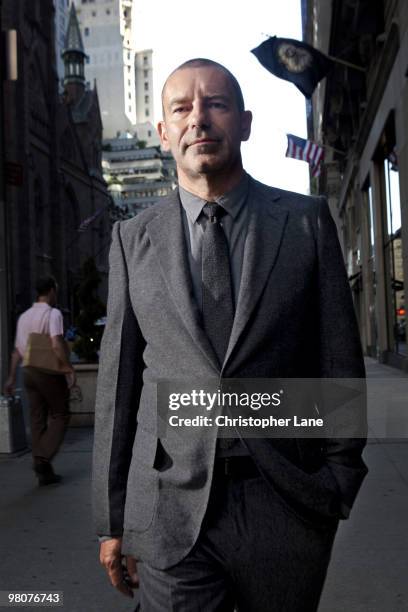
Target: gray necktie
[[218, 304]]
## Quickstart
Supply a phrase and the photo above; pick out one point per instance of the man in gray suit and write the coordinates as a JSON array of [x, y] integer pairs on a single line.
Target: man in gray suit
[[226, 278]]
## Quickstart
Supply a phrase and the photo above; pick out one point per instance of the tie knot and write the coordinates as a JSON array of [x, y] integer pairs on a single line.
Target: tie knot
[[213, 211]]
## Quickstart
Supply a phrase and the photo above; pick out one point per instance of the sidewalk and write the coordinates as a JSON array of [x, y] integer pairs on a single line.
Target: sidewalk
[[369, 568], [47, 535], [48, 543]]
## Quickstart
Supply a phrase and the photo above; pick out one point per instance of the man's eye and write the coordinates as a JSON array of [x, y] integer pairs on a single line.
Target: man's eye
[[218, 105], [179, 109]]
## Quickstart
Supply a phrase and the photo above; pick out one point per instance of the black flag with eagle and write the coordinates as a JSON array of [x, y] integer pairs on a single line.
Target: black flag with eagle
[[294, 61]]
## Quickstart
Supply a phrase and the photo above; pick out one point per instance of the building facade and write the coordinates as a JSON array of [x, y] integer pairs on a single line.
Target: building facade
[[61, 8], [123, 75], [144, 86], [137, 177], [52, 149], [360, 113]]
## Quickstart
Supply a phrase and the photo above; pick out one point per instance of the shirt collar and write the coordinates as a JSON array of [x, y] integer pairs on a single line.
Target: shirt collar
[[231, 201]]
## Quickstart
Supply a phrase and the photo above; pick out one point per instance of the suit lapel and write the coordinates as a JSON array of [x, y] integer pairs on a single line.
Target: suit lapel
[[266, 224], [166, 233]]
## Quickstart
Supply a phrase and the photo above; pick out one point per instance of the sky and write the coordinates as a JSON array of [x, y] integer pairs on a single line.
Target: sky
[[226, 31]]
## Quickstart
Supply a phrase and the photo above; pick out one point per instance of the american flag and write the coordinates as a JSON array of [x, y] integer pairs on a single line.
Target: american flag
[[309, 151]]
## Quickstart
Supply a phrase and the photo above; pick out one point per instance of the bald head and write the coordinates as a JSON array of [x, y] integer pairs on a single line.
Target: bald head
[[200, 62]]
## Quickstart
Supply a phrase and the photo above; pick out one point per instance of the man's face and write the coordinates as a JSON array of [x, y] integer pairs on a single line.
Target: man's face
[[202, 125]]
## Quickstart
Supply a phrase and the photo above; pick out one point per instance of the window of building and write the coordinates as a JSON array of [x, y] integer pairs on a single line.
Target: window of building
[[149, 133], [128, 55], [393, 258], [370, 220], [93, 13], [146, 99], [86, 31], [387, 167], [145, 59], [88, 59], [147, 112], [129, 81], [145, 73], [393, 197], [146, 86], [108, 11], [129, 96]]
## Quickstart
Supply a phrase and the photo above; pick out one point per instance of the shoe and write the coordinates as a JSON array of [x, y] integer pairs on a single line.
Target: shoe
[[47, 479], [45, 472]]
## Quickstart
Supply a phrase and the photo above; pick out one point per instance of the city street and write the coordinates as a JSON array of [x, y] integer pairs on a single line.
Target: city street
[[48, 541], [190, 192]]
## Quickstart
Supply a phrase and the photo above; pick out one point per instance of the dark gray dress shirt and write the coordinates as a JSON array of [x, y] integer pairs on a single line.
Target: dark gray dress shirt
[[234, 224]]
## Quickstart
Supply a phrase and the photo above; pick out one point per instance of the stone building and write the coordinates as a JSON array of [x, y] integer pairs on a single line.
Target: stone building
[[61, 23], [52, 147], [360, 113], [137, 177], [124, 75]]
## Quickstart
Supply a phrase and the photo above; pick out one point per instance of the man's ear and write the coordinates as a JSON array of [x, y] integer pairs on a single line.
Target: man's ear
[[246, 122], [161, 128]]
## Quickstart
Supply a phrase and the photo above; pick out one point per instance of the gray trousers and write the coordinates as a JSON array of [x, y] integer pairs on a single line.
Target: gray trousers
[[254, 554]]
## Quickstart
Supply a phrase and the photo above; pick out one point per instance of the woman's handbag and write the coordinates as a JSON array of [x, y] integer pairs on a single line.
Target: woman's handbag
[[39, 354]]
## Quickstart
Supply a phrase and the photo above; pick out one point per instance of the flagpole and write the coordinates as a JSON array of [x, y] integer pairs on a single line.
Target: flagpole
[[333, 149], [345, 63], [324, 146], [334, 59]]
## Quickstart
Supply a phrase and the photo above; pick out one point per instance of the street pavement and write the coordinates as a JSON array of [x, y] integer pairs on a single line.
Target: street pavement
[[47, 540]]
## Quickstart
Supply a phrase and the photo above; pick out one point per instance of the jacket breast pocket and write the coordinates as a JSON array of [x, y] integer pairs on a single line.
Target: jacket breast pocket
[[142, 485]]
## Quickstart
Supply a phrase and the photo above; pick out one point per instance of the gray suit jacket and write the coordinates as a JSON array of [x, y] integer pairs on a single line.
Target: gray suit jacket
[[294, 319]]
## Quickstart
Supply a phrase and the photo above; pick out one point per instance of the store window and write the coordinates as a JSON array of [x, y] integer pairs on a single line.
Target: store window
[[370, 220], [387, 168], [370, 286], [393, 256]]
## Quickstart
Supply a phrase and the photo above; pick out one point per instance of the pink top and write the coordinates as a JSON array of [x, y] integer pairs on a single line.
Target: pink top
[[40, 318]]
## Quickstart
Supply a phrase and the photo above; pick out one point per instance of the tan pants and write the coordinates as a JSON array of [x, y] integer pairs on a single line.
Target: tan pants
[[49, 411]]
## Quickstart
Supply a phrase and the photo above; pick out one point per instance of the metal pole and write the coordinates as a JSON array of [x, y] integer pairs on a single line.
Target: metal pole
[[348, 64]]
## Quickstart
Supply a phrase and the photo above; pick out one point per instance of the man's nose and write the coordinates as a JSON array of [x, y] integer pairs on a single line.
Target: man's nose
[[199, 118]]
